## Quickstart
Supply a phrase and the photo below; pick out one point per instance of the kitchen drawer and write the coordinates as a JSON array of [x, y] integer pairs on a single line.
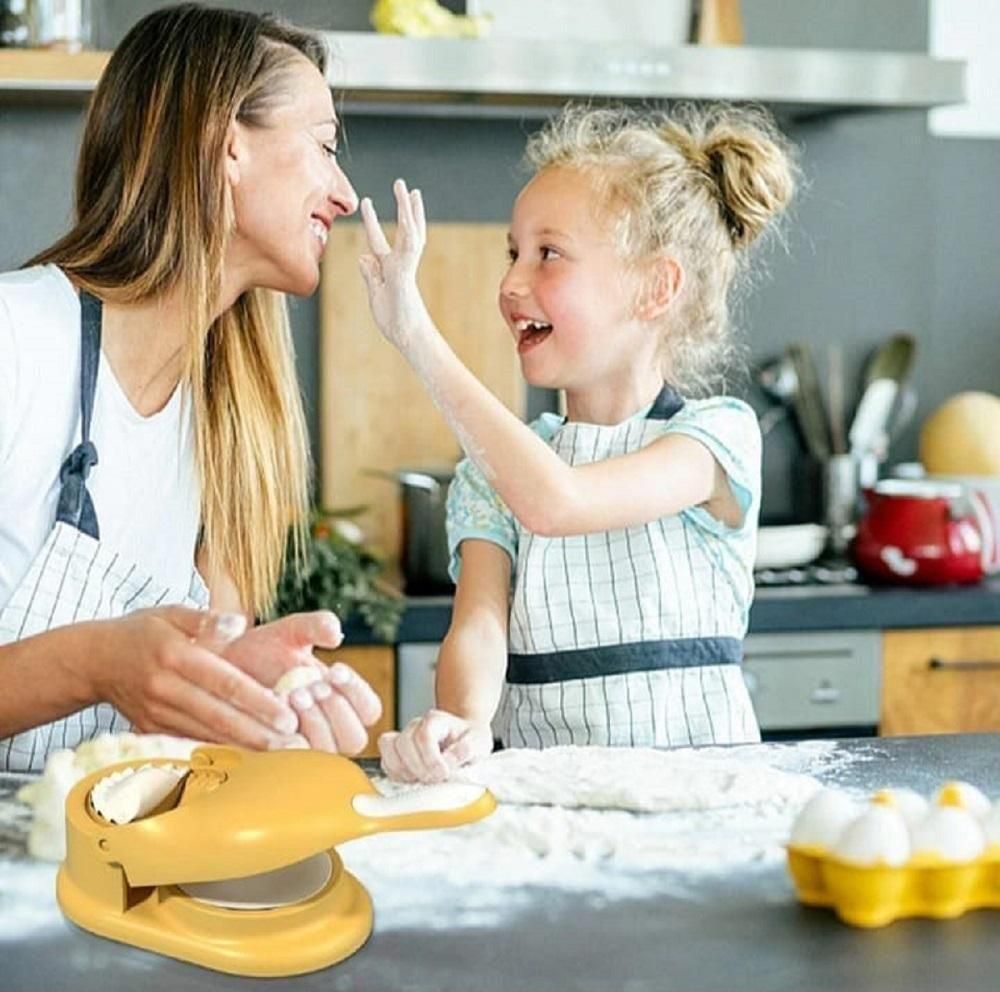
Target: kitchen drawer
[[941, 680], [376, 664], [814, 681]]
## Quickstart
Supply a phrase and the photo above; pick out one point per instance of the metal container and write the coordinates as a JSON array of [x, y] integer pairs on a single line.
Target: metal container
[[423, 555], [61, 24]]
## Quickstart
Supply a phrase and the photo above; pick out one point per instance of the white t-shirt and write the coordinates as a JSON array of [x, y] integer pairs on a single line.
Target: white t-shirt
[[145, 485]]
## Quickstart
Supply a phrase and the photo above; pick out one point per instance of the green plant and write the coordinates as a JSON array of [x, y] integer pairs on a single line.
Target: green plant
[[340, 573]]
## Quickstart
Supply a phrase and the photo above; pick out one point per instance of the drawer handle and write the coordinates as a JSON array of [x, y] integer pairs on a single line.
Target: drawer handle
[[825, 694], [941, 665]]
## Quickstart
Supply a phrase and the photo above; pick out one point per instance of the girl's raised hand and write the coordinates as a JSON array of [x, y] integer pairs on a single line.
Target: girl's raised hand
[[390, 272]]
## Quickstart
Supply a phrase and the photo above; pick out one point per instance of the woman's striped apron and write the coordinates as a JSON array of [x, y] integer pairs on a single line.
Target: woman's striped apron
[[75, 577]]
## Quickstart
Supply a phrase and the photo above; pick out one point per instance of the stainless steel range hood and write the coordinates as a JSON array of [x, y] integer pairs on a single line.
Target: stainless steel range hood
[[506, 76]]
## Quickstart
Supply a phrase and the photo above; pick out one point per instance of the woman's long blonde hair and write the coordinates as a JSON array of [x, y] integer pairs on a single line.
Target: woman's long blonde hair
[[698, 183], [153, 212]]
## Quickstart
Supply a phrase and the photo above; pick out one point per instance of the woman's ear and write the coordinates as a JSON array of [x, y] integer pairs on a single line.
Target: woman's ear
[[664, 279], [235, 153]]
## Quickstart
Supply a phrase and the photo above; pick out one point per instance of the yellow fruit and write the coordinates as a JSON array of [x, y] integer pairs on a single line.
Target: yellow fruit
[[962, 437], [424, 18]]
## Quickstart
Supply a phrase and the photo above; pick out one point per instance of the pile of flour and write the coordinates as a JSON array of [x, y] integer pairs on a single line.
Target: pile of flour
[[612, 822]]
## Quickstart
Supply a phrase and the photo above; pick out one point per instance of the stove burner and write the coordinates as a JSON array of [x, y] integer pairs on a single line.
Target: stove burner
[[820, 573]]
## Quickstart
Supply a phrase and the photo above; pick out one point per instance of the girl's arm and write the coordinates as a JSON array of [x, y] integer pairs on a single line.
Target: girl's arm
[[471, 668], [548, 496]]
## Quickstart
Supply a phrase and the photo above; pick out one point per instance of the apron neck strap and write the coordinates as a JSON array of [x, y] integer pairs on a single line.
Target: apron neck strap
[[668, 403], [75, 507]]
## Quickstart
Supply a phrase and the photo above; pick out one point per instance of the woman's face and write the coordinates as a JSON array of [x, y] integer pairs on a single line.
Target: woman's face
[[287, 188]]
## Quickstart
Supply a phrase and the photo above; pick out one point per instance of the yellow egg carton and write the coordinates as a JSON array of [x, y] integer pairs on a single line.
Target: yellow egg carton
[[874, 895]]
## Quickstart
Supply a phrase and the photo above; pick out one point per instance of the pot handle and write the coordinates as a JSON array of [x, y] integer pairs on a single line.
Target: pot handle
[[416, 479], [987, 530]]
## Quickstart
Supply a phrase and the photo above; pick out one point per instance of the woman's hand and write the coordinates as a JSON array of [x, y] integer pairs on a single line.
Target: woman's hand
[[333, 712], [161, 669], [433, 745], [390, 273]]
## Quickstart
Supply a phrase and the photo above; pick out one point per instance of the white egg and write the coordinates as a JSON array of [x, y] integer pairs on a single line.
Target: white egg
[[822, 819], [877, 837], [951, 833], [991, 825], [911, 805], [965, 795]]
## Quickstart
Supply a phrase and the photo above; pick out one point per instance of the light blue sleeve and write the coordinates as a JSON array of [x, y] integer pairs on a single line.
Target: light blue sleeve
[[476, 511], [728, 427]]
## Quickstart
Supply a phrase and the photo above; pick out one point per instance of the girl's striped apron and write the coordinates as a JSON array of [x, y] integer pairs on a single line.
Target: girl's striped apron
[[75, 577], [607, 647]]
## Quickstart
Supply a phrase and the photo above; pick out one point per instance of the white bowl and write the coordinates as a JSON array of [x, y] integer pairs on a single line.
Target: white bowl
[[790, 545]]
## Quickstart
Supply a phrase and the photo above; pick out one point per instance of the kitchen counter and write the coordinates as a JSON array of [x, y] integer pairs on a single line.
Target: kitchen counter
[[692, 931], [787, 609]]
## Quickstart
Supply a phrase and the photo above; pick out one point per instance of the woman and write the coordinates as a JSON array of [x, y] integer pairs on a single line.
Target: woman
[[153, 454]]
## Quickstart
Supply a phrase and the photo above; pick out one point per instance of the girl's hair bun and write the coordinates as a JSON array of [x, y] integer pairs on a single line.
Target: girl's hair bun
[[750, 166]]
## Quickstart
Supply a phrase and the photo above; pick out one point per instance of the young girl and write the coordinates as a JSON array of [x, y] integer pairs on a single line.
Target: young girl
[[629, 525]]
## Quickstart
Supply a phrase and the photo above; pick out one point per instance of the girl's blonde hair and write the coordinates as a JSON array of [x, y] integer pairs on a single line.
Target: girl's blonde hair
[[153, 211], [699, 184]]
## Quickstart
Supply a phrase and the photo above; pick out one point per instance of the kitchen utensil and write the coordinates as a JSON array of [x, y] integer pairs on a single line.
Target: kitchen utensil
[[778, 381], [962, 874], [917, 532], [835, 398], [423, 498], [887, 370], [374, 410], [808, 401], [789, 545], [840, 501], [240, 814]]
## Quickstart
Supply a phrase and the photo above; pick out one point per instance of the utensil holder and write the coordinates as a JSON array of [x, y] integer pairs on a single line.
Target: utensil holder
[[840, 501]]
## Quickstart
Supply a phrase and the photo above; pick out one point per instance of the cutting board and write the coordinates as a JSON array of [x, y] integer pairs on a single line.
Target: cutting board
[[374, 413]]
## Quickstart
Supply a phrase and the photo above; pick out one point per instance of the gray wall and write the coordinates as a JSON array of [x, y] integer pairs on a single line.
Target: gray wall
[[895, 230]]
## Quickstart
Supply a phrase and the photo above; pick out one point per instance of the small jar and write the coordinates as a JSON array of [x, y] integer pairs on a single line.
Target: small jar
[[15, 24], [60, 24]]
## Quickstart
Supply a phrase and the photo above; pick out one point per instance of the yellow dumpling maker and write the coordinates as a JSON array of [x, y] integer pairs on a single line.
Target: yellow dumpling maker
[[236, 814]]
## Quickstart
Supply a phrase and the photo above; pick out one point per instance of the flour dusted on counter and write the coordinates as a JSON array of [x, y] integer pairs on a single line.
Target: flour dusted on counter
[[607, 823]]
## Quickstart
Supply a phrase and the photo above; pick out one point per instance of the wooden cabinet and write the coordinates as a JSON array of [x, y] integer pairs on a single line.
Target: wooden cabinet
[[940, 680], [377, 665]]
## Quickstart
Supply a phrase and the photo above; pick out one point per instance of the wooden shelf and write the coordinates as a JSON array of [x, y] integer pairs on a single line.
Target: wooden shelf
[[42, 75]]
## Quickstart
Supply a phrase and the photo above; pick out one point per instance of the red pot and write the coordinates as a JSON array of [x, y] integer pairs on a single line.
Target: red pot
[[922, 533]]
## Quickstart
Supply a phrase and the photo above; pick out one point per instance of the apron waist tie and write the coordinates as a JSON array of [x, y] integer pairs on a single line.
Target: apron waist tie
[[616, 659]]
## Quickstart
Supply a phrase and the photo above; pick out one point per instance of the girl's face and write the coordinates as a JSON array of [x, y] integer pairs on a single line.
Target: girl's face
[[568, 296], [287, 188]]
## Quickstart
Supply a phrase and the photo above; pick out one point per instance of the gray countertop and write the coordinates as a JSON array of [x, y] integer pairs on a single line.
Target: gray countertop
[[787, 609], [716, 931]]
